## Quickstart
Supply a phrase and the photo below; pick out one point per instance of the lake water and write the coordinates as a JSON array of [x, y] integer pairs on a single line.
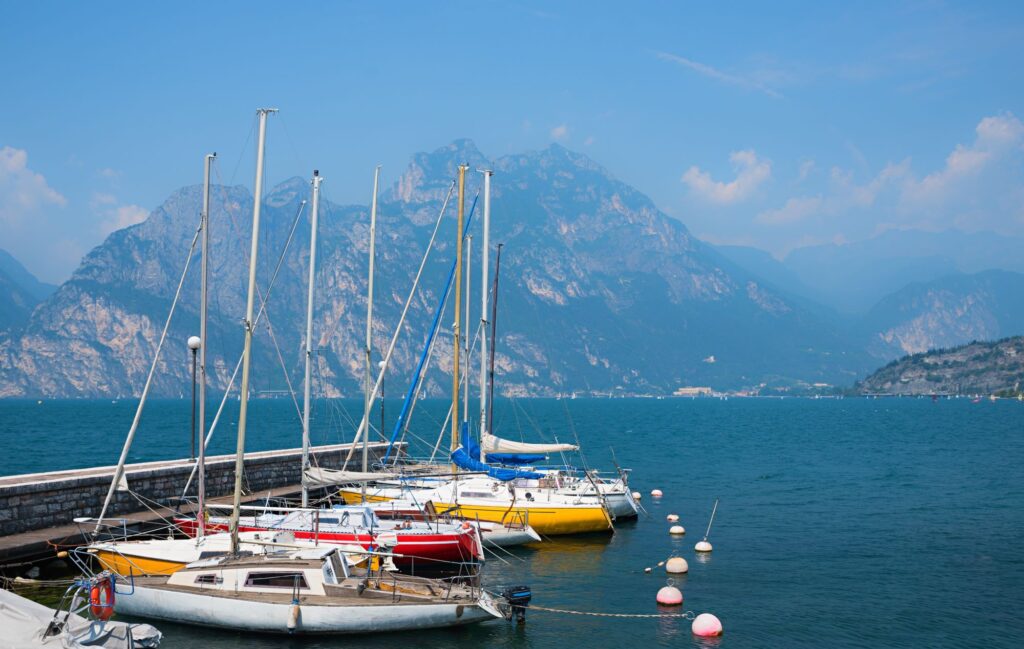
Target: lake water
[[842, 523]]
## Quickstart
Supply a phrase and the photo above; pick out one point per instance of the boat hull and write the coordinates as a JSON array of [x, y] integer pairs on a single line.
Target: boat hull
[[127, 565], [549, 520], [415, 550], [272, 617]]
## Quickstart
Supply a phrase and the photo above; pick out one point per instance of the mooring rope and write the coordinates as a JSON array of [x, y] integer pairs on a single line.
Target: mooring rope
[[689, 615]]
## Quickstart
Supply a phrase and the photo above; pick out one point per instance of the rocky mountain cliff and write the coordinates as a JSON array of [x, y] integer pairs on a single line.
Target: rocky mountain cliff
[[601, 292], [946, 312], [979, 368]]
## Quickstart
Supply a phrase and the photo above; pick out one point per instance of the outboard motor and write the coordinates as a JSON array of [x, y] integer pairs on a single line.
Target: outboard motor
[[518, 598]]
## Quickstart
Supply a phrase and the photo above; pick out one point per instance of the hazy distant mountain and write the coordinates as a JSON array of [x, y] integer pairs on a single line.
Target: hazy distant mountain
[[947, 312], [20, 292], [975, 368], [853, 277], [600, 292], [762, 264]]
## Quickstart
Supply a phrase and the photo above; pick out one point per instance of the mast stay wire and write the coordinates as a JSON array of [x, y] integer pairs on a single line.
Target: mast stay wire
[[238, 365]]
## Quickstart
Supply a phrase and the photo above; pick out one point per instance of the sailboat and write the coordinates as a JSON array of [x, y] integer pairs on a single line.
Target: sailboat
[[291, 587]]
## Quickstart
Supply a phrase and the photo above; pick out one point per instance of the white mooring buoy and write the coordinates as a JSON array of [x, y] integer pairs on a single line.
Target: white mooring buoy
[[672, 518], [706, 625], [669, 595], [677, 566], [636, 496], [704, 546], [677, 530], [656, 493]]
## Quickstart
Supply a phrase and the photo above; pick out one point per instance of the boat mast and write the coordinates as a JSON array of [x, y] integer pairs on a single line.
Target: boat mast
[[460, 235], [247, 348], [367, 387], [465, 338], [484, 250], [205, 225], [317, 179], [494, 340]]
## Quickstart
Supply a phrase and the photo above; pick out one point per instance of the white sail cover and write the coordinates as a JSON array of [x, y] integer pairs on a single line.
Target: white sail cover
[[24, 624], [325, 477], [491, 444]]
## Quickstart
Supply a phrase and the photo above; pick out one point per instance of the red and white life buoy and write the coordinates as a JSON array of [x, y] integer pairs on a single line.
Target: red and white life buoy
[[101, 600]]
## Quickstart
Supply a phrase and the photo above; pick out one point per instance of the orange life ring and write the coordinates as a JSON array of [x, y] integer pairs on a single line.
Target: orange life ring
[[101, 600]]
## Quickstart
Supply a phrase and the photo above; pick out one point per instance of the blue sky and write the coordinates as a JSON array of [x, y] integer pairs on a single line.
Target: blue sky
[[767, 124]]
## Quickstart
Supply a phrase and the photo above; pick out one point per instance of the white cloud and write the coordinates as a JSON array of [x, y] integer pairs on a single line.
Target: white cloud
[[122, 217], [748, 82], [22, 191], [979, 186], [994, 137], [560, 132], [795, 209], [751, 172], [806, 167]]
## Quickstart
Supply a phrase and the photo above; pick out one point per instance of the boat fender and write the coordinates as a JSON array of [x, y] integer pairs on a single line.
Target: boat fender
[[101, 599], [466, 525], [293, 617]]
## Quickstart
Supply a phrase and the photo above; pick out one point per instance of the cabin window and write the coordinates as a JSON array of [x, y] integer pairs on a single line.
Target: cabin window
[[209, 579], [276, 580], [476, 494], [328, 521]]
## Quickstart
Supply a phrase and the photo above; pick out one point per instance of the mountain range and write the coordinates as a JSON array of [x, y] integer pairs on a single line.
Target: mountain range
[[600, 293]]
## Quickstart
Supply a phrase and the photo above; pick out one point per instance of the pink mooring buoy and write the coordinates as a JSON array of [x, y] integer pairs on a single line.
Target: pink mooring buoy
[[669, 595], [656, 493], [706, 625]]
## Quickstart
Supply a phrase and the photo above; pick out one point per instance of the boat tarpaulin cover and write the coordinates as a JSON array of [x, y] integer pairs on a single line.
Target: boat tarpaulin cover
[[462, 459], [497, 458], [323, 477], [491, 444], [24, 624]]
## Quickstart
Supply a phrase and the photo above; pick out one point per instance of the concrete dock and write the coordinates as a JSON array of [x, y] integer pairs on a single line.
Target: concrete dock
[[37, 510]]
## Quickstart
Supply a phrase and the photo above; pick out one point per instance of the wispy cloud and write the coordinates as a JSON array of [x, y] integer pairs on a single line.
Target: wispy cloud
[[121, 217], [751, 171], [978, 186], [795, 209], [23, 192], [747, 82], [560, 132]]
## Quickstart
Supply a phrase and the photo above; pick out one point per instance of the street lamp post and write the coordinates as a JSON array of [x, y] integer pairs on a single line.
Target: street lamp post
[[194, 343]]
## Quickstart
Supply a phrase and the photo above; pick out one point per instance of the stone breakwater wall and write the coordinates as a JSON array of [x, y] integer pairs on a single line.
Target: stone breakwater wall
[[42, 500]]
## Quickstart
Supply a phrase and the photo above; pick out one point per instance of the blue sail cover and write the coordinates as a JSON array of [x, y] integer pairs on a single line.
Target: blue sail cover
[[467, 457], [462, 459]]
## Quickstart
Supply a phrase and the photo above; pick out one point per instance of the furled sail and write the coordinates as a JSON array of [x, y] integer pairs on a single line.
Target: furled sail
[[491, 444], [324, 477]]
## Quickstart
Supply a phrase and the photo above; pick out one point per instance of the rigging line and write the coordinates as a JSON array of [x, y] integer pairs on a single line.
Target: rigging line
[[280, 359], [462, 382], [434, 329], [245, 147], [291, 142], [119, 472], [401, 319], [238, 365]]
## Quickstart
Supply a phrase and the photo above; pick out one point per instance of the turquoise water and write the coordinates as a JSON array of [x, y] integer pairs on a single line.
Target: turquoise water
[[842, 523]]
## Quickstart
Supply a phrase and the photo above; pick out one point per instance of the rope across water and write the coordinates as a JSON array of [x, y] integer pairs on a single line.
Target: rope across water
[[689, 615]]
